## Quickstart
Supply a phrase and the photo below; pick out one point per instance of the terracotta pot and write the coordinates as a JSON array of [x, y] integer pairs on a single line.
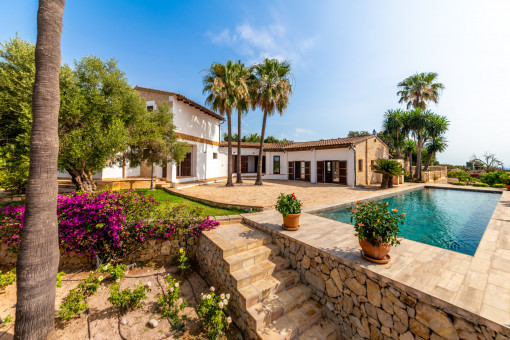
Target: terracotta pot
[[375, 252], [291, 222], [508, 187]]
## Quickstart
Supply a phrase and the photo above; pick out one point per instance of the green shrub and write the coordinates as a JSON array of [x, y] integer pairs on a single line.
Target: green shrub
[[480, 184], [127, 298], [184, 262], [492, 178], [75, 302], [458, 183], [499, 185], [169, 303], [505, 178], [7, 278]]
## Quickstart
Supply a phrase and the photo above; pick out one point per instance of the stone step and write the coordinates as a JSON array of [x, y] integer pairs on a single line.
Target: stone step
[[278, 304], [255, 272], [295, 323], [251, 257]]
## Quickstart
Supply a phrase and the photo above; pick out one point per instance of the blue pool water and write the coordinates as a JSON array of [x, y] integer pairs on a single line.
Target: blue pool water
[[450, 219]]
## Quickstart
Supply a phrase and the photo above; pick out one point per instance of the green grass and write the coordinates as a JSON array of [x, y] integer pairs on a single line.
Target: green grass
[[168, 200]]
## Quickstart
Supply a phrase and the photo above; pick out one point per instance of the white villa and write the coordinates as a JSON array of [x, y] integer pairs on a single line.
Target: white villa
[[345, 161]]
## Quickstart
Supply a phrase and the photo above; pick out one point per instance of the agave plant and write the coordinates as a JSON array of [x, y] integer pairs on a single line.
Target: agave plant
[[388, 169]]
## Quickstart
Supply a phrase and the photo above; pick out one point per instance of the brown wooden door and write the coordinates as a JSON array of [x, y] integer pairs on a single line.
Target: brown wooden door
[[244, 164], [291, 170], [185, 166], [342, 170], [263, 164], [320, 171], [164, 172], [307, 171]]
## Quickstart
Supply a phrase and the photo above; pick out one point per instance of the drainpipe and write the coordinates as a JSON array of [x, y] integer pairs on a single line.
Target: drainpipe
[[351, 147]]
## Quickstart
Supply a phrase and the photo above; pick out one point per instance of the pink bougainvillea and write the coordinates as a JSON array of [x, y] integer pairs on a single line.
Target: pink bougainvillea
[[109, 224]]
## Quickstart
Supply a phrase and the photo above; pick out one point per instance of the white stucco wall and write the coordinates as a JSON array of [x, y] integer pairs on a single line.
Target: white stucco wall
[[191, 121]]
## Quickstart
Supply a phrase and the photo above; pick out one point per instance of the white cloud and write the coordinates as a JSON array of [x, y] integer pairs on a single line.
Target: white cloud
[[257, 43]]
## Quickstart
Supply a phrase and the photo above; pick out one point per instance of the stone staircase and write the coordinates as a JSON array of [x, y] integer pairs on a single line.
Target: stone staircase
[[277, 304]]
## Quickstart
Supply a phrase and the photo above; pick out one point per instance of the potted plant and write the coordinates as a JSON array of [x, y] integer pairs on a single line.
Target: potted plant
[[377, 229], [505, 179], [388, 169], [290, 208]]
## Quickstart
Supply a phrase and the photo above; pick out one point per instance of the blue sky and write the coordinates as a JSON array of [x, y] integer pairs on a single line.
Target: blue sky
[[347, 56]]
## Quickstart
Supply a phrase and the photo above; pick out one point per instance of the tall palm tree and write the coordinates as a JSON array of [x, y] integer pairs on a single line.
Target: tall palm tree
[[393, 126], [433, 146], [38, 256], [243, 103], [224, 86], [271, 92], [419, 89]]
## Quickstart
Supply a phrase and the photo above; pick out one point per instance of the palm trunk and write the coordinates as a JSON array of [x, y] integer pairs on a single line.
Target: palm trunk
[[390, 181], [397, 148], [261, 150], [38, 256], [229, 162], [427, 164], [152, 176], [384, 181], [417, 172], [239, 180]]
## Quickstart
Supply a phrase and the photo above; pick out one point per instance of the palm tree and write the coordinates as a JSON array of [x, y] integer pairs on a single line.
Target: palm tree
[[418, 89], [38, 256], [224, 87], [393, 126], [388, 169], [433, 146], [243, 103], [271, 91]]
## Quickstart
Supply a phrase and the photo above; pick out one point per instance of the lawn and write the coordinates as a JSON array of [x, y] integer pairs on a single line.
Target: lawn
[[168, 200]]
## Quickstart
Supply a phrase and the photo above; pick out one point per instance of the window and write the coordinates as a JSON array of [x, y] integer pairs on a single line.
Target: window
[[215, 155], [150, 108], [303, 171], [360, 165], [276, 165], [372, 162]]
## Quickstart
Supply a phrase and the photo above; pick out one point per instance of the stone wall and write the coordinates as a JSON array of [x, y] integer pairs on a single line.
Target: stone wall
[[367, 305], [158, 251]]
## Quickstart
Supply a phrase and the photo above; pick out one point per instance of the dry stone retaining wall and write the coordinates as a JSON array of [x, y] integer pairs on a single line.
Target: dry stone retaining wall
[[368, 306]]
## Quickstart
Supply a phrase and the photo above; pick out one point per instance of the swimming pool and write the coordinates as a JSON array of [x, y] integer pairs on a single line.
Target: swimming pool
[[450, 219]]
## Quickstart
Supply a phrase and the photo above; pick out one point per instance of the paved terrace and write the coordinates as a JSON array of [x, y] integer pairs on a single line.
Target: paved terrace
[[311, 194], [479, 284]]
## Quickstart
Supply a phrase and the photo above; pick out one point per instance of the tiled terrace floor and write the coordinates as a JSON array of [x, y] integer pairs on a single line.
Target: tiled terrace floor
[[311, 194], [479, 284]]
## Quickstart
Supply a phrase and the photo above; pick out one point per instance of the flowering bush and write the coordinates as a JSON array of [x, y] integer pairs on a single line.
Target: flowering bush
[[505, 178], [169, 303], [211, 311], [109, 224], [183, 259], [288, 204], [375, 223]]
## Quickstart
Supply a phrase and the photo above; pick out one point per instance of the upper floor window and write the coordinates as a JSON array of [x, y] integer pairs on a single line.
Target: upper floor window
[[276, 165], [215, 155], [150, 108]]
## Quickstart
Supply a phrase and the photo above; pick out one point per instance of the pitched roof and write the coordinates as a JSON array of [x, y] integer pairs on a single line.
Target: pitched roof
[[320, 144], [184, 100]]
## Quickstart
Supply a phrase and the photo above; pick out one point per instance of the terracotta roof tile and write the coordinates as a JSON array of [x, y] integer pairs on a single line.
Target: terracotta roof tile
[[325, 143], [184, 100]]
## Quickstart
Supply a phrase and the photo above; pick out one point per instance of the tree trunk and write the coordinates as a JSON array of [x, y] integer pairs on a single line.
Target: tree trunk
[[261, 150], [427, 163], [390, 181], [229, 161], [410, 163], [384, 182], [38, 256], [417, 172], [152, 176], [239, 180], [82, 180]]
